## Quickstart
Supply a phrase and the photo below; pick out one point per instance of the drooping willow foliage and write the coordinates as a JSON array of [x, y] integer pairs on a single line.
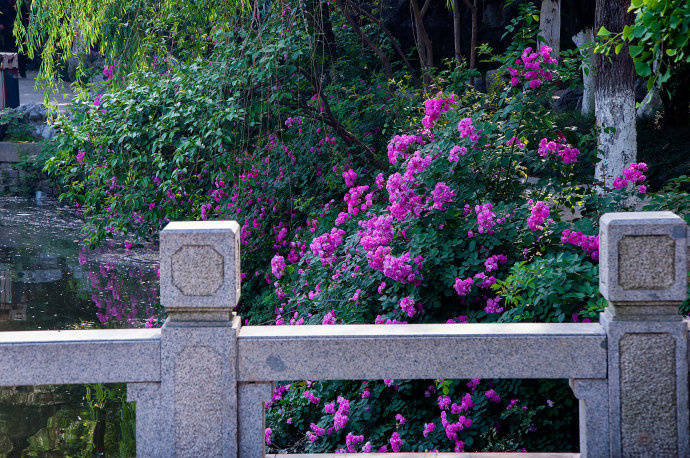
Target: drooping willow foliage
[[127, 33]]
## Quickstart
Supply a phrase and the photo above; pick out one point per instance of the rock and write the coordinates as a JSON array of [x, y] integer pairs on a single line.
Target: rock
[[567, 99], [47, 132], [495, 80], [479, 84]]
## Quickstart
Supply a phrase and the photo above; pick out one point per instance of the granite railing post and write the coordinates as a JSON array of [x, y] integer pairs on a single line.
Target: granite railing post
[[196, 400], [643, 275]]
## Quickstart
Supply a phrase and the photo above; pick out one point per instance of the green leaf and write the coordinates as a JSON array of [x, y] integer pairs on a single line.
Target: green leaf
[[603, 32], [643, 68], [635, 51]]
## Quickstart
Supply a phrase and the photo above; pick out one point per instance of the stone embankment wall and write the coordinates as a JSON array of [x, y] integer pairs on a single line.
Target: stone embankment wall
[[14, 180]]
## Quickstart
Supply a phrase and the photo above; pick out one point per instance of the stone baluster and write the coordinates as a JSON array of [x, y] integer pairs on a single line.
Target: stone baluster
[[193, 411], [643, 275]]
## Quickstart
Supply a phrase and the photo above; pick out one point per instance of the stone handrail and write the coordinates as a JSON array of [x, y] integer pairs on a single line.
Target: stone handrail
[[200, 382]]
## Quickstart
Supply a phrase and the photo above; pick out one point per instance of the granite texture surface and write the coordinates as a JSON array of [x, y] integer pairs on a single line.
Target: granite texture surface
[[642, 257], [421, 351], [147, 405], [639, 371], [199, 389], [200, 265], [88, 356], [593, 396], [646, 262], [197, 270], [252, 398], [648, 394]]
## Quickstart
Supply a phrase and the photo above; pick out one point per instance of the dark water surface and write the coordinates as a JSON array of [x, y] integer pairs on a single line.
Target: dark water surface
[[49, 281]]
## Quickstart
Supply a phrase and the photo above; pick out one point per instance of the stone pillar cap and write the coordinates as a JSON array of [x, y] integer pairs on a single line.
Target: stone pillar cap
[[642, 257], [200, 265]]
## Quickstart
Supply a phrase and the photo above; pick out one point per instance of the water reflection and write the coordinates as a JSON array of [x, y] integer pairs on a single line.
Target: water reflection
[[48, 281]]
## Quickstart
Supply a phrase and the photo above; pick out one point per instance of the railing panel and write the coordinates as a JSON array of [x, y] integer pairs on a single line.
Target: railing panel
[[421, 351], [75, 357]]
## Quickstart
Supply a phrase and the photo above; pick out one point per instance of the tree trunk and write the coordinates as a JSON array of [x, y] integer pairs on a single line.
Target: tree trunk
[[550, 25], [327, 27], [424, 49], [473, 6], [614, 97], [379, 53], [582, 39], [457, 30]]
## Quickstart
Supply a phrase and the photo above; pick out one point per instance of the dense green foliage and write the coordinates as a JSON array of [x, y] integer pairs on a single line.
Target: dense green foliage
[[456, 203]]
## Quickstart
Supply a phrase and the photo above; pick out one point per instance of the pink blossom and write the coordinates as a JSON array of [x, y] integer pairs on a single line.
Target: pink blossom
[[492, 305], [395, 442], [428, 428], [492, 396], [311, 398], [349, 176], [588, 243], [539, 216], [329, 318], [277, 266], [494, 261], [456, 152], [442, 195], [434, 107], [466, 129], [485, 218], [399, 144], [407, 305], [462, 287]]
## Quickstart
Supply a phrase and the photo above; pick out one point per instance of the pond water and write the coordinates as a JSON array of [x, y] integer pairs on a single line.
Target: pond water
[[49, 281]]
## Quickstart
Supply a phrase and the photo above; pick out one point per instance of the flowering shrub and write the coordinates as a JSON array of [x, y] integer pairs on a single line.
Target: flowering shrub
[[440, 209]]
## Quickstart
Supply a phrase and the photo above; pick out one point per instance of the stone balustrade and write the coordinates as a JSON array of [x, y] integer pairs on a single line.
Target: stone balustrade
[[200, 382]]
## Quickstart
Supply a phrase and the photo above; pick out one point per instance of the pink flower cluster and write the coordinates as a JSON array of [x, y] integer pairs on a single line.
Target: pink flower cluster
[[416, 164], [494, 261], [396, 442], [485, 218], [316, 432], [529, 67], [539, 216], [492, 396], [324, 246], [434, 107], [632, 174], [353, 196], [589, 243], [407, 305], [403, 200], [558, 148], [463, 287], [399, 144], [492, 305], [350, 176], [455, 153], [452, 429], [311, 398], [351, 441], [467, 129], [443, 194], [277, 265], [340, 418], [377, 231]]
